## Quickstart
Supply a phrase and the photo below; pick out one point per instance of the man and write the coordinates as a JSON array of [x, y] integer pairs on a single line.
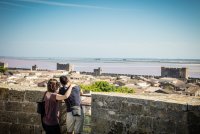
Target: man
[[74, 122]]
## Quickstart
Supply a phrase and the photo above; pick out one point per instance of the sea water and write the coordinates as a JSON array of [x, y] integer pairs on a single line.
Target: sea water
[[109, 65]]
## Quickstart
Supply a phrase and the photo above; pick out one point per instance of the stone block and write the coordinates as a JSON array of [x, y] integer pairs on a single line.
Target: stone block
[[166, 126], [15, 95], [168, 106], [194, 129], [116, 127], [34, 96], [99, 125], [5, 128], [182, 128], [9, 117], [113, 102], [176, 116], [3, 93], [28, 118], [29, 107], [21, 129], [139, 101], [194, 108], [193, 118], [2, 107], [13, 106], [145, 124], [102, 113], [131, 108], [154, 112], [38, 129], [101, 101]]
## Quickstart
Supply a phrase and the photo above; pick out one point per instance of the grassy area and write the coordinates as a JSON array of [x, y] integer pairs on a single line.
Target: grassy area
[[103, 86]]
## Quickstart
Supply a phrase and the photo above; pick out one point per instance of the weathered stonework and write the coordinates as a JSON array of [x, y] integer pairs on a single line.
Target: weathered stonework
[[111, 113], [67, 67], [147, 113], [18, 111], [18, 115], [175, 72]]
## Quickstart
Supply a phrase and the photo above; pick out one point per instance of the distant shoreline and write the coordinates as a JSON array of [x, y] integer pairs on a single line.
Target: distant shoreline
[[108, 65], [106, 60]]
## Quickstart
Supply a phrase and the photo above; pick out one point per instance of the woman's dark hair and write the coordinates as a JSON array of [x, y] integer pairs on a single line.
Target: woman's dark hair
[[53, 85], [64, 80]]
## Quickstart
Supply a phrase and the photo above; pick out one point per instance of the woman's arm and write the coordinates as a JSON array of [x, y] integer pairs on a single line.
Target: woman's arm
[[66, 95]]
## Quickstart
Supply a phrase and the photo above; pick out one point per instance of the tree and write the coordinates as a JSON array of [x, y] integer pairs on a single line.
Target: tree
[[2, 69]]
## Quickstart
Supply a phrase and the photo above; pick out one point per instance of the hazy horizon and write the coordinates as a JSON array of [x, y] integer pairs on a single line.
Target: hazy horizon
[[137, 58], [167, 29]]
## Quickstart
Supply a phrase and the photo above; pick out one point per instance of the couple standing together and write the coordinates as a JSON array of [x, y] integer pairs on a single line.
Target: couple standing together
[[71, 94]]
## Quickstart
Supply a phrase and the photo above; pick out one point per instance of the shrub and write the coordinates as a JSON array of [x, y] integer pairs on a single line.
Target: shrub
[[103, 86], [2, 69]]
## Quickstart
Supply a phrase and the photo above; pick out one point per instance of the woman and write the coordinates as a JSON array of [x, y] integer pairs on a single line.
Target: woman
[[50, 119]]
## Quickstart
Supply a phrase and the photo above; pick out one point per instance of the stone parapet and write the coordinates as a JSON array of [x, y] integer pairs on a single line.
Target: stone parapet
[[18, 111], [144, 113]]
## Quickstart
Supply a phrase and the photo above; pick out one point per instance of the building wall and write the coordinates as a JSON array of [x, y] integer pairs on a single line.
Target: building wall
[[18, 112], [174, 72], [34, 68], [5, 65], [97, 71], [67, 67], [152, 114]]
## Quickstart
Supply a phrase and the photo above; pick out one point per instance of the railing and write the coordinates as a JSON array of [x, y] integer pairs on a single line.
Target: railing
[[86, 104]]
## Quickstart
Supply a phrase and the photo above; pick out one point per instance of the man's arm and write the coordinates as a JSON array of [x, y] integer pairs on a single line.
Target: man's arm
[[66, 95]]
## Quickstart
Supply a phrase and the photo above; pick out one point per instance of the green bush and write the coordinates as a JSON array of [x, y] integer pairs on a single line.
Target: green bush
[[2, 69], [103, 86]]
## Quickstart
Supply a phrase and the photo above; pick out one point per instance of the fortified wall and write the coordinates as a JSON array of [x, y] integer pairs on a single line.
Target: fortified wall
[[147, 113], [115, 75], [18, 111], [66, 67], [112, 113], [175, 72]]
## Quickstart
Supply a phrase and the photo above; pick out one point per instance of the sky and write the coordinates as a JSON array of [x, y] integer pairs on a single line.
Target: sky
[[164, 29]]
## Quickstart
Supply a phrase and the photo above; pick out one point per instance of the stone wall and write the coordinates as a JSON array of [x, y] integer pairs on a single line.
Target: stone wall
[[18, 112], [67, 67], [115, 75], [111, 113], [175, 72], [146, 113]]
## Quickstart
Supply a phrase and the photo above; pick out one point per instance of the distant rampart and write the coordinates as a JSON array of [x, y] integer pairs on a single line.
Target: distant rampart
[[115, 75], [181, 73], [130, 75]]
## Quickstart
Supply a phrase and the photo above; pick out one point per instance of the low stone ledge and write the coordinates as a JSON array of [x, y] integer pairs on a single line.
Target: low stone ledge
[[162, 101], [144, 113]]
